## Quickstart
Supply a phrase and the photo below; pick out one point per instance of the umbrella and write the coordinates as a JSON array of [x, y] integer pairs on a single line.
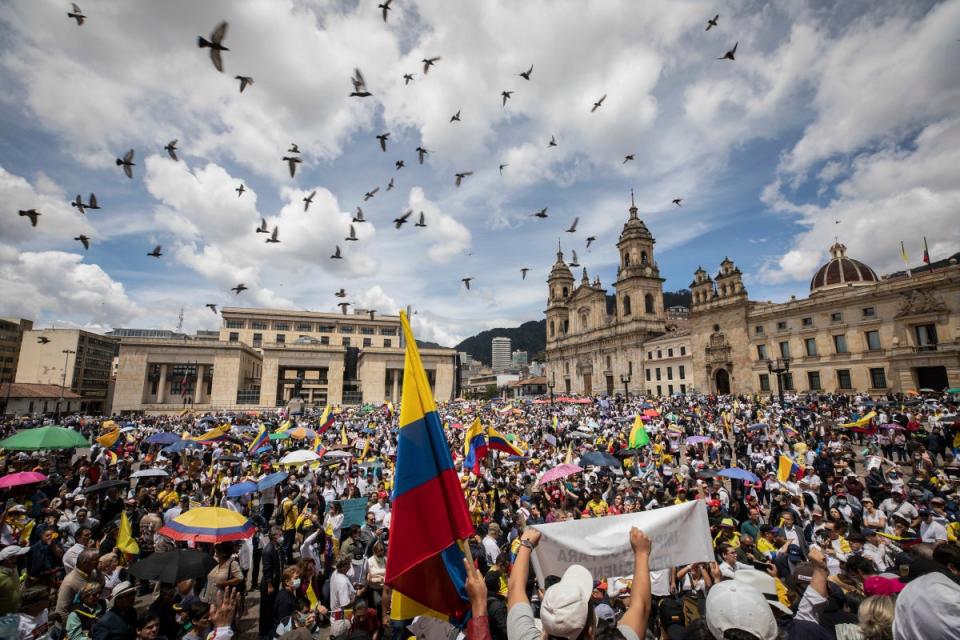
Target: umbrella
[[337, 453], [706, 473], [241, 489], [272, 480], [278, 436], [599, 459], [698, 440], [736, 473], [517, 459], [302, 433], [757, 427], [579, 434], [950, 419], [17, 479], [371, 464], [43, 438], [209, 524], [229, 458], [171, 567], [627, 453], [164, 437], [559, 471], [892, 425], [180, 445], [299, 456], [149, 473], [954, 390], [927, 390], [106, 484]]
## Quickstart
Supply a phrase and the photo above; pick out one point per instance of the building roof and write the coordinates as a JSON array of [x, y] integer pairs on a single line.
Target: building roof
[[670, 335], [31, 390], [949, 261], [841, 271], [531, 381]]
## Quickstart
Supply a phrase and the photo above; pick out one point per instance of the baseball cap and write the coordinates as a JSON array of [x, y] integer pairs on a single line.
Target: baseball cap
[[765, 584], [605, 612], [727, 522], [928, 607], [795, 553], [735, 605], [565, 604], [11, 551]]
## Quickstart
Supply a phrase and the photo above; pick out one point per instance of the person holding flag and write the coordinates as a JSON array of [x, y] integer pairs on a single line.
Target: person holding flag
[[260, 440]]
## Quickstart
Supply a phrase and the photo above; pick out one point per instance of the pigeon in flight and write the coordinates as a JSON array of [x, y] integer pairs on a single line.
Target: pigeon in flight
[[506, 96], [353, 235], [343, 307], [596, 105], [455, 117], [729, 55], [78, 203], [273, 236], [390, 184], [308, 201], [553, 141], [84, 240], [43, 340], [240, 190], [240, 288], [293, 148], [33, 214], [502, 166], [420, 153], [172, 150], [76, 14], [466, 281], [712, 23], [526, 74], [336, 254], [359, 215], [127, 163], [342, 293], [292, 162], [244, 81], [400, 164], [590, 241], [370, 194], [573, 227], [460, 176], [92, 202], [573, 260], [383, 141], [628, 158], [399, 222], [359, 85], [429, 62], [541, 214], [422, 222], [156, 252], [408, 78], [212, 307], [263, 226], [386, 7], [677, 201], [215, 44], [523, 273]]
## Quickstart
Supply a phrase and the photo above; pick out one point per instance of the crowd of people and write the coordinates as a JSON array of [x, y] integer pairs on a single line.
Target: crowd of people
[[843, 523]]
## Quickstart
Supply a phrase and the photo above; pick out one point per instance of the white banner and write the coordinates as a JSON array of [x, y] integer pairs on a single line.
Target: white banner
[[680, 535]]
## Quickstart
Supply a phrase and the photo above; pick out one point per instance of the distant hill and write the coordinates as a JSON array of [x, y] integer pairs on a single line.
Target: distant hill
[[681, 298], [426, 344]]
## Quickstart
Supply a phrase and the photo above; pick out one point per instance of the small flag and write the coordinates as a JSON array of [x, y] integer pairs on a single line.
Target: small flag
[[260, 440], [786, 467], [284, 426], [905, 258], [926, 252], [474, 447], [366, 448], [638, 434], [499, 442], [111, 458], [554, 423], [343, 435], [318, 446], [125, 541]]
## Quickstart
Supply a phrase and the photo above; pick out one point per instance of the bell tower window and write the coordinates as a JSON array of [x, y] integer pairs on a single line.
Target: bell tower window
[[626, 305], [626, 259], [565, 292], [551, 328], [643, 257], [648, 303]]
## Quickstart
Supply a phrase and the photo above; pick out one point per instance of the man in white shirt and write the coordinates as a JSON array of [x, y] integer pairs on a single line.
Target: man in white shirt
[[342, 592], [876, 550], [896, 505], [380, 509], [931, 530], [491, 544], [81, 540]]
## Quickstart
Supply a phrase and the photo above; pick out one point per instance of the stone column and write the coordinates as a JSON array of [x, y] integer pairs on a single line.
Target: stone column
[[162, 385], [393, 386], [200, 388]]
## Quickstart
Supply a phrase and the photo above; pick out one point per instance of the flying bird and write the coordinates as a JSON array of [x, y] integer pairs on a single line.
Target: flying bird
[[573, 260], [386, 7], [501, 168], [336, 254], [506, 96], [172, 150], [573, 227], [359, 215], [244, 81], [343, 307], [292, 162], [729, 55], [212, 307], [359, 85], [76, 14], [400, 164], [92, 202], [466, 281], [422, 222], [33, 214], [408, 78], [127, 163], [293, 148], [156, 252], [215, 44], [420, 153], [273, 236], [460, 176], [455, 117], [596, 105], [342, 293], [84, 240], [383, 141], [78, 203], [370, 194], [308, 201], [590, 240], [353, 235], [263, 226], [43, 340], [399, 222], [553, 141], [390, 184], [526, 74], [240, 288], [240, 190], [523, 273], [427, 63], [628, 158], [677, 201], [541, 214], [712, 23]]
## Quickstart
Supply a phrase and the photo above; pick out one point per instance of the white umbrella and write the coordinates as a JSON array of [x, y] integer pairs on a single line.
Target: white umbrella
[[149, 473], [299, 457], [337, 453]]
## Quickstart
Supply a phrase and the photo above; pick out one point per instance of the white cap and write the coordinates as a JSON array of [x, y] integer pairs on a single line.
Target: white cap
[[928, 607], [565, 604], [121, 589], [12, 550], [765, 584], [732, 605]]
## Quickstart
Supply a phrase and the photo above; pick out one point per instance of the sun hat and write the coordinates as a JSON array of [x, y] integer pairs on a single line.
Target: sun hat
[[765, 584], [565, 605], [121, 589], [929, 607], [735, 605]]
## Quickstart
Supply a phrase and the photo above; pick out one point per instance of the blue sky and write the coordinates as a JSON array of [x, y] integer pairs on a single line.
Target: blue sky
[[832, 111]]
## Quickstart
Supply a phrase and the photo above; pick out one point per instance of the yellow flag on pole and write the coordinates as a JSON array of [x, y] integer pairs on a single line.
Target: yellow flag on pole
[[125, 541]]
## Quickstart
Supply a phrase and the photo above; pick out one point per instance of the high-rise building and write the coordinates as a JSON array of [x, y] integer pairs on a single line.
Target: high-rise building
[[500, 354], [518, 359], [11, 335]]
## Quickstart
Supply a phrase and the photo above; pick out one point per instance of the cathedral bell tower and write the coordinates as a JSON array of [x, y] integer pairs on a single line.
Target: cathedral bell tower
[[560, 284], [639, 285]]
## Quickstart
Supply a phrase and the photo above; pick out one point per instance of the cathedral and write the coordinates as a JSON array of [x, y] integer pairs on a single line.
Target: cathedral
[[855, 331]]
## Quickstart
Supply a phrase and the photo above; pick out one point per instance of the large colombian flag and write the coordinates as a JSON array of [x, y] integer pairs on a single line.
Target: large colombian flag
[[424, 563], [474, 447]]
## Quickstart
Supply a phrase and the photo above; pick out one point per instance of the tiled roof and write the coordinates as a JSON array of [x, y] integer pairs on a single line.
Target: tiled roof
[[31, 390]]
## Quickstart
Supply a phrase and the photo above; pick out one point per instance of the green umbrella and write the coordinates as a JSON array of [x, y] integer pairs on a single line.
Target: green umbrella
[[43, 438], [283, 435], [954, 390]]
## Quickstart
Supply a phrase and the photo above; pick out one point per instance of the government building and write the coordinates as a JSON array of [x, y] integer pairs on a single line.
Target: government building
[[855, 332]]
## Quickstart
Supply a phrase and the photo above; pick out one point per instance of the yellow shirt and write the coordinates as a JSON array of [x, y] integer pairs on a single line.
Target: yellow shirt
[[597, 507], [168, 498], [290, 512], [764, 546]]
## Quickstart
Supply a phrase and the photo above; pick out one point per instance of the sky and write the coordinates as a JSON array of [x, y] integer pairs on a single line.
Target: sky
[[835, 120]]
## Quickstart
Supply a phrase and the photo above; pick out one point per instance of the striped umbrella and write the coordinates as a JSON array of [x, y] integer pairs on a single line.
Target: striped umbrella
[[209, 524]]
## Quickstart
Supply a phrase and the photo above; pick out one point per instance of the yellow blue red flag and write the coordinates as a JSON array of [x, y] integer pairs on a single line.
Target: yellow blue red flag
[[499, 442], [261, 440], [474, 447]]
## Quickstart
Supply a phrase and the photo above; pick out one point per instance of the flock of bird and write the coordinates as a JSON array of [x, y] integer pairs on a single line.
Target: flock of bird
[[216, 47]]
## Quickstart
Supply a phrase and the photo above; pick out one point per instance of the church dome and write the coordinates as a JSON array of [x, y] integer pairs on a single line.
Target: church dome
[[841, 271]]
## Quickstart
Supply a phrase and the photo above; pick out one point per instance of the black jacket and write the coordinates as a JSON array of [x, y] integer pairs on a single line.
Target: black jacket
[[272, 566], [114, 626]]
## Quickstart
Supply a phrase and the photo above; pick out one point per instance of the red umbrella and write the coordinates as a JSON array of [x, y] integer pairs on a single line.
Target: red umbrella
[[17, 479]]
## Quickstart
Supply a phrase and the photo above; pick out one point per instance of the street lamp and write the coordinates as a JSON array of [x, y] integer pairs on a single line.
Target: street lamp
[[625, 379], [781, 367], [63, 383], [551, 385]]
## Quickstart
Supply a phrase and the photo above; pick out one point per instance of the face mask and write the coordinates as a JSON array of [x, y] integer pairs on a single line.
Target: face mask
[[296, 583]]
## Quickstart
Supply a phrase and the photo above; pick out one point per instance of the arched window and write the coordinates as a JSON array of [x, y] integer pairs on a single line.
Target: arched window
[[648, 303], [564, 292], [566, 326], [643, 257], [626, 259], [626, 306], [551, 328]]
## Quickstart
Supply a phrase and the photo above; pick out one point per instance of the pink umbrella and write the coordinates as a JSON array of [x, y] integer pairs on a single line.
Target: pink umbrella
[[23, 477], [698, 440], [893, 425], [559, 471]]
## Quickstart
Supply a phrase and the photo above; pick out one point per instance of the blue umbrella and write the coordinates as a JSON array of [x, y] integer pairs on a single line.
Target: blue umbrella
[[736, 473], [180, 445], [241, 489], [164, 437], [517, 459], [599, 459], [272, 480], [757, 427]]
